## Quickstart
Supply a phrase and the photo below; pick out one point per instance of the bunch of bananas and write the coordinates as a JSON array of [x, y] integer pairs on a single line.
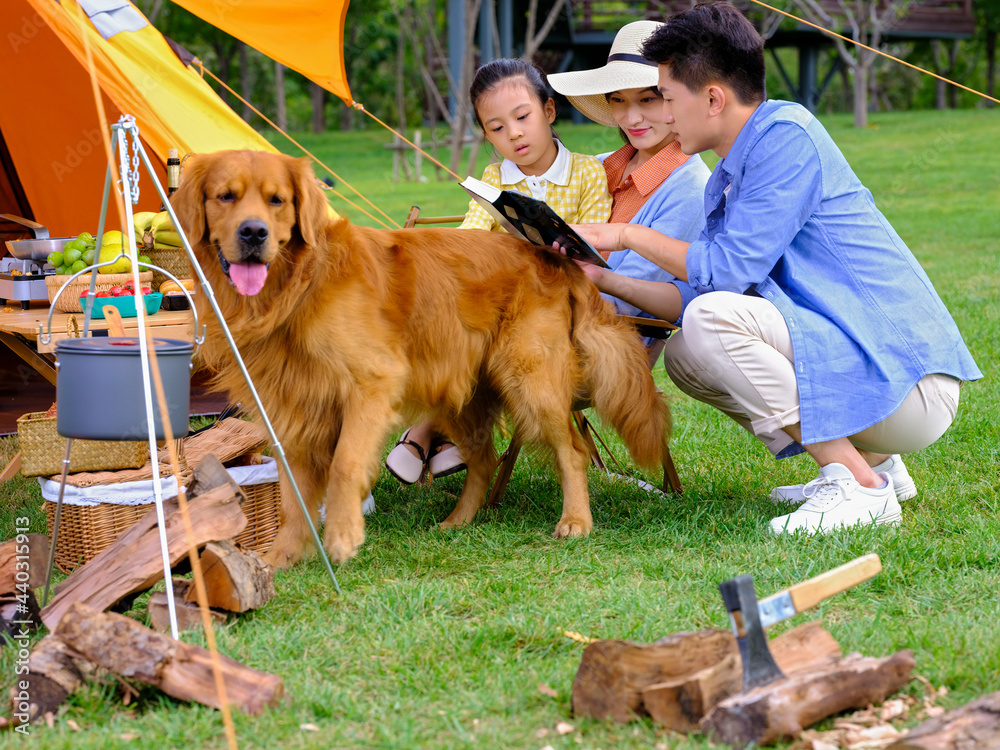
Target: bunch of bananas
[[155, 231]]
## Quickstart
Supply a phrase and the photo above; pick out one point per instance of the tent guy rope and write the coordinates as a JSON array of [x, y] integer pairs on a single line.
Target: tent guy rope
[[312, 156], [876, 51], [361, 108]]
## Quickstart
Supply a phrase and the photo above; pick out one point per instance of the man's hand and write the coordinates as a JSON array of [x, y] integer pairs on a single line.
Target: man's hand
[[595, 273], [604, 237]]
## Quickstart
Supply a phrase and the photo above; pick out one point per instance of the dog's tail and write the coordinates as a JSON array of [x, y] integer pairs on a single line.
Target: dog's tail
[[616, 378]]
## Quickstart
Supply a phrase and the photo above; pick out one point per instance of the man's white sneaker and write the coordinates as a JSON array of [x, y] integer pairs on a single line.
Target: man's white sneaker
[[906, 489], [836, 500]]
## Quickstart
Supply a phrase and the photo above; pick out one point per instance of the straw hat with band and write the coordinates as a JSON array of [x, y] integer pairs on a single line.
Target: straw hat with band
[[626, 69]]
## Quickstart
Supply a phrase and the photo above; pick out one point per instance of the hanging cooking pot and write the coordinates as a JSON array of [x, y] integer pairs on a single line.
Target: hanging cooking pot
[[100, 393]]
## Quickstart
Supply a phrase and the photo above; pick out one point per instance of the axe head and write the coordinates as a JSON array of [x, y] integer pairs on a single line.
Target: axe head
[[759, 667]]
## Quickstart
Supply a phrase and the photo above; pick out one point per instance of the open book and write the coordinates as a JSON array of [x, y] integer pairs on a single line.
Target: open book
[[531, 219]]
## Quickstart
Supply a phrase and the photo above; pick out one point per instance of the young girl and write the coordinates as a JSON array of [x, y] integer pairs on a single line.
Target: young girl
[[512, 106]]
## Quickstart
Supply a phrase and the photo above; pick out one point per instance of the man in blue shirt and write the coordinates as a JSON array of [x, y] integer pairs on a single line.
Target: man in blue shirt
[[815, 327]]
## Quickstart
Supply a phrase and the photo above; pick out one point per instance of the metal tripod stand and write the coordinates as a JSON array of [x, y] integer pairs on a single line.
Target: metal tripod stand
[[122, 131]]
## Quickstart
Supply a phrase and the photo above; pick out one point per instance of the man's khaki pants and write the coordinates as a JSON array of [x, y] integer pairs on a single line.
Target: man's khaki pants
[[734, 352]]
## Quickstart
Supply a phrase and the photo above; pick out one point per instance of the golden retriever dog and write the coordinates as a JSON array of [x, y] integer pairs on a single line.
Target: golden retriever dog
[[348, 333]]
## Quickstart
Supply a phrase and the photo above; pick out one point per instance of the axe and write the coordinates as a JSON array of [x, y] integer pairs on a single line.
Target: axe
[[749, 617]]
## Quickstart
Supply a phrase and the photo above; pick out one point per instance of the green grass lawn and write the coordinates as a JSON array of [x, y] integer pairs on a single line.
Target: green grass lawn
[[443, 639]]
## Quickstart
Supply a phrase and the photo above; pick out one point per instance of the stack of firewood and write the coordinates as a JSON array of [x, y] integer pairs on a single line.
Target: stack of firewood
[[87, 641], [693, 682]]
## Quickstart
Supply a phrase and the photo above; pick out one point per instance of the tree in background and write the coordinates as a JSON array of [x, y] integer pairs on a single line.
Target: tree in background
[[988, 28], [397, 63], [867, 21]]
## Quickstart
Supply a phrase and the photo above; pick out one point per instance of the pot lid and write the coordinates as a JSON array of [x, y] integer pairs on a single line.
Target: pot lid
[[121, 345]]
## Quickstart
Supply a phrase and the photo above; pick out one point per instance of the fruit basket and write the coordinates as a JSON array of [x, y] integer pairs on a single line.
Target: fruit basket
[[172, 259], [126, 305], [69, 300]]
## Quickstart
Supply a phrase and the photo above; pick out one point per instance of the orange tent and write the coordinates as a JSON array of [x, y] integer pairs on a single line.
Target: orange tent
[[50, 143]]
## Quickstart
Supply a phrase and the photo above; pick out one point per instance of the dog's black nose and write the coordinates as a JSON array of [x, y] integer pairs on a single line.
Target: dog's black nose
[[252, 232]]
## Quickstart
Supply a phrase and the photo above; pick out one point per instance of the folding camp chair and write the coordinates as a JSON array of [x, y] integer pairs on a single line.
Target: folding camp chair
[[648, 327], [414, 219]]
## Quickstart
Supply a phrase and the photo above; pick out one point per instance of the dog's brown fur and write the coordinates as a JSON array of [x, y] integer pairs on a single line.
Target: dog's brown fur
[[357, 331]]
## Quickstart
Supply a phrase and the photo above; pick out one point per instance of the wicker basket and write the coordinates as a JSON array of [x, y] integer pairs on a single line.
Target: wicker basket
[[85, 531], [43, 450], [261, 509], [69, 300], [174, 260]]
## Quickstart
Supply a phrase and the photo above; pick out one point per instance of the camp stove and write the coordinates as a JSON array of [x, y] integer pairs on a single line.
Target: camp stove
[[23, 281]]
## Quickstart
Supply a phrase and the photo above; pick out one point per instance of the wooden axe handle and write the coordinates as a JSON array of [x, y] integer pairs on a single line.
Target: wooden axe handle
[[810, 593]]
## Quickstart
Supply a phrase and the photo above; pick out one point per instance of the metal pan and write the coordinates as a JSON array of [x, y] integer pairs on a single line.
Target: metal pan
[[37, 248]]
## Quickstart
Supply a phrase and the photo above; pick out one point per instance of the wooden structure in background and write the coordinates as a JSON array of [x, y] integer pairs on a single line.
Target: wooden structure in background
[[582, 35]]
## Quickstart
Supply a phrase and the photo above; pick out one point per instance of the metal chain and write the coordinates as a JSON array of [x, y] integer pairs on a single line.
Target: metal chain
[[128, 121]]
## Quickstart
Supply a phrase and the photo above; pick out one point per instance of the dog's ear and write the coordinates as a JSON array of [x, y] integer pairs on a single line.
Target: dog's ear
[[310, 203], [189, 200]]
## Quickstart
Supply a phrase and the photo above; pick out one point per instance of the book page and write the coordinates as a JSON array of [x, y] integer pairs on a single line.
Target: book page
[[480, 188]]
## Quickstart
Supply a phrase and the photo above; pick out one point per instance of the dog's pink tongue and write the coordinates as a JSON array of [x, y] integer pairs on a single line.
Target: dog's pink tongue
[[248, 277]]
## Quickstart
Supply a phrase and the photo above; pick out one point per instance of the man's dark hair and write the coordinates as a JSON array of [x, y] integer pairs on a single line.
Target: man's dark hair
[[711, 42]]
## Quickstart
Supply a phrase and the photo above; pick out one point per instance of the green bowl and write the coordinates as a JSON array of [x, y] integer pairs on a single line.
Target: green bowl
[[126, 305]]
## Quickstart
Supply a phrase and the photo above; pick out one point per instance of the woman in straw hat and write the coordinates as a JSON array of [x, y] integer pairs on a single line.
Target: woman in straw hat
[[651, 181]]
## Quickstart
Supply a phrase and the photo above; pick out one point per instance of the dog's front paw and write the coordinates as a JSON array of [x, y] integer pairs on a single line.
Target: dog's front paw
[[281, 556], [568, 527], [456, 519], [342, 542]]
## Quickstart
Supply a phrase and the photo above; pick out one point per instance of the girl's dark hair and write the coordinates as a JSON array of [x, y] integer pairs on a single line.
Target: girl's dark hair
[[709, 43], [493, 74]]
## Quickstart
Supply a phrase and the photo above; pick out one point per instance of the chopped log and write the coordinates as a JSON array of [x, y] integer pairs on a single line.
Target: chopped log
[[974, 725], [786, 707], [680, 704], [188, 613], [209, 474], [19, 611], [29, 556], [53, 673], [124, 646], [613, 674], [134, 562], [235, 580]]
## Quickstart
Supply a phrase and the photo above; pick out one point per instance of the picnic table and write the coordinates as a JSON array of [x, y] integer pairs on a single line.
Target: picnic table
[[19, 332]]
